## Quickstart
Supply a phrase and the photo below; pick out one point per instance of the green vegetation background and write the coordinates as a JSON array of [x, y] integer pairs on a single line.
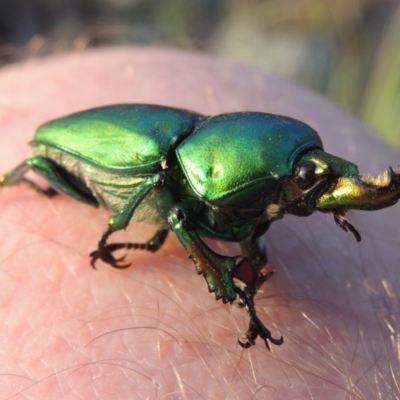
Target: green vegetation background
[[349, 50]]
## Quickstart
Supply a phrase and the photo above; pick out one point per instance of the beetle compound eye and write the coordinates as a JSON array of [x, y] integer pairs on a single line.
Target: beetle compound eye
[[305, 174]]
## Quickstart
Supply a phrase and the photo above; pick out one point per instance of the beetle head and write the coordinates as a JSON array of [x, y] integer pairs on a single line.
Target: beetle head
[[323, 182]]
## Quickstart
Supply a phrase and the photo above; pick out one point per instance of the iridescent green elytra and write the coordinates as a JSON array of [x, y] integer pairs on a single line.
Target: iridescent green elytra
[[225, 177]]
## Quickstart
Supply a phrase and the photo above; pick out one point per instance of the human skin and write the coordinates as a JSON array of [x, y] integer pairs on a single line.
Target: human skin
[[153, 330]]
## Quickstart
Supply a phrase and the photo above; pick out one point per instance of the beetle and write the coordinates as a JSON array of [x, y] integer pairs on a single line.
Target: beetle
[[225, 177]]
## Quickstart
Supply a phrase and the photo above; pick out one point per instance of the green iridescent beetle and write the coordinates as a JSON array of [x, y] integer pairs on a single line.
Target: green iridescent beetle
[[225, 177]]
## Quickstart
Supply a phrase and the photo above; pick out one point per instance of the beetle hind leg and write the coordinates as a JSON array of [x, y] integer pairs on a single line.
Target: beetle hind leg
[[48, 192], [16, 176], [104, 252], [59, 179]]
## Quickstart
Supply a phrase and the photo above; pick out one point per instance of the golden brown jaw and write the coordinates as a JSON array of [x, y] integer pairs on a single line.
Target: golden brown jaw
[[369, 192]]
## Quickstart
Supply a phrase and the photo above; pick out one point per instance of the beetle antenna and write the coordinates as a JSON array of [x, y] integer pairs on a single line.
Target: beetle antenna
[[341, 221]]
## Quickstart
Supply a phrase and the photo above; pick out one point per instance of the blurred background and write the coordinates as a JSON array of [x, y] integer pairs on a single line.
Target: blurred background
[[349, 50]]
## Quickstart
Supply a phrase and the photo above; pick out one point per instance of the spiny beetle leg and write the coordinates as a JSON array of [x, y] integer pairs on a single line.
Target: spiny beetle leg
[[217, 269], [256, 327]]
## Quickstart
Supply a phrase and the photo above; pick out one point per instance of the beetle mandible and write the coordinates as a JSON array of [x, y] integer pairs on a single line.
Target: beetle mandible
[[223, 177]]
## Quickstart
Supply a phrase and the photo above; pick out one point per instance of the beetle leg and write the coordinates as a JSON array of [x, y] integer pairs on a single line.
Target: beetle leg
[[256, 327], [152, 245], [121, 221], [221, 272], [104, 254], [49, 192], [255, 250], [252, 272], [53, 173], [217, 269]]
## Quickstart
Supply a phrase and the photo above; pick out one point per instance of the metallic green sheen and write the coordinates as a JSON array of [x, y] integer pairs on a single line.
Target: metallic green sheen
[[137, 137], [227, 177], [229, 153]]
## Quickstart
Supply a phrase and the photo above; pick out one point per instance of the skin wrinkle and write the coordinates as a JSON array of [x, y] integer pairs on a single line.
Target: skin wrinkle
[[312, 258]]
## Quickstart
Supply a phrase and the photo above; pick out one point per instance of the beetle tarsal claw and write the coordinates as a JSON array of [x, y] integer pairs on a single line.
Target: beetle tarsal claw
[[104, 253], [107, 257]]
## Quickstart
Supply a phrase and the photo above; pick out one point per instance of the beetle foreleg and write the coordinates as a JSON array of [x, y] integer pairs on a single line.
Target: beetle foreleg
[[256, 327], [217, 269], [227, 276]]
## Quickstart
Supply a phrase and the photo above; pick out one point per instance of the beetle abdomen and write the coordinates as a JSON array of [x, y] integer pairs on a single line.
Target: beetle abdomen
[[111, 189]]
